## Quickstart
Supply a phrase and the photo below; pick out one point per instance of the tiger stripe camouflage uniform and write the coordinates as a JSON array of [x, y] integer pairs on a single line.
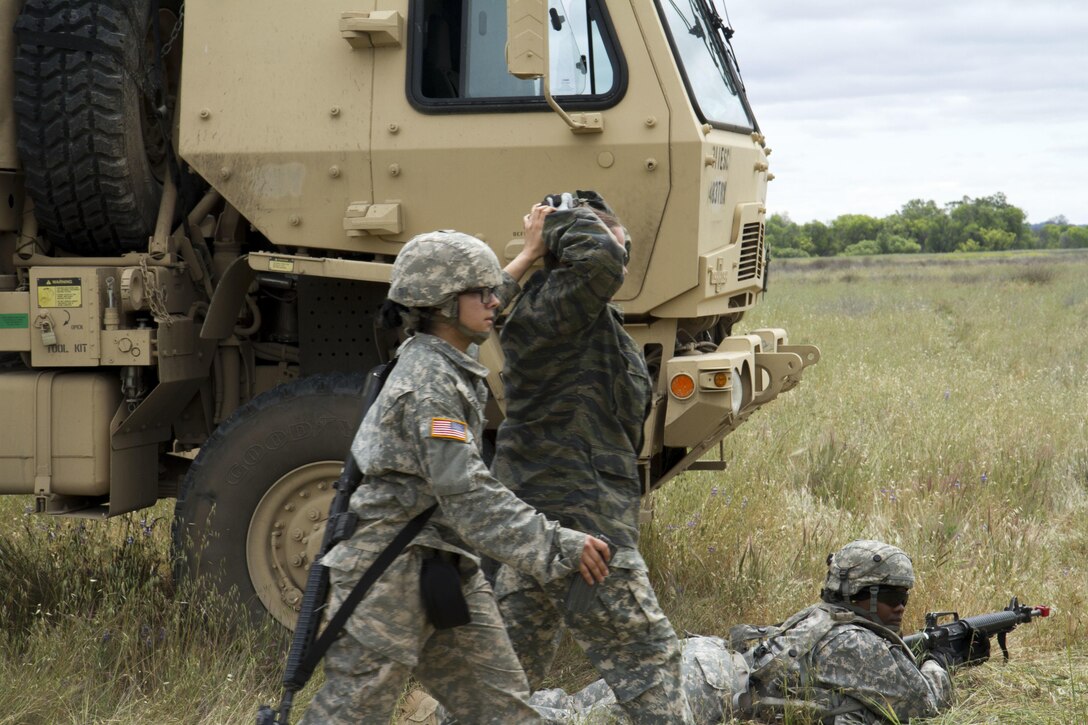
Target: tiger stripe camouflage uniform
[[417, 445], [578, 390]]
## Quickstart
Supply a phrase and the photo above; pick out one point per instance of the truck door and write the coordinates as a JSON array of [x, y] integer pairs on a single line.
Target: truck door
[[463, 144]]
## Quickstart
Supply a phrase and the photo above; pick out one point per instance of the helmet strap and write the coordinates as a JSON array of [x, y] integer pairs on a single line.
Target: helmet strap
[[873, 591], [449, 313], [475, 336]]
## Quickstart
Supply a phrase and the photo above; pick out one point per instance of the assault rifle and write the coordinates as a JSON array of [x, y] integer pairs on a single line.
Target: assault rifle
[[306, 651], [967, 641]]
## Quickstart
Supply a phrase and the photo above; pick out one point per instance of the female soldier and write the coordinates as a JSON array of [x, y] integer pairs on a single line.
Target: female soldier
[[418, 445], [578, 391]]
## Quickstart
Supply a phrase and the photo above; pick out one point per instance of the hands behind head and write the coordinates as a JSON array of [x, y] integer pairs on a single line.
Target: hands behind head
[[533, 223]]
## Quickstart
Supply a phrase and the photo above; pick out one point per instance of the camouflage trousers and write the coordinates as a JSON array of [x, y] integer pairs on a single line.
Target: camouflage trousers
[[625, 635], [471, 669], [712, 675]]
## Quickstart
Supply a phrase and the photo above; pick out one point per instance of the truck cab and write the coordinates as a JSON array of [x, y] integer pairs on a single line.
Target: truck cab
[[204, 204]]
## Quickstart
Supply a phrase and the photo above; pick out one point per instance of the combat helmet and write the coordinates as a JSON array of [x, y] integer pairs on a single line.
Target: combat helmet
[[864, 564], [435, 267]]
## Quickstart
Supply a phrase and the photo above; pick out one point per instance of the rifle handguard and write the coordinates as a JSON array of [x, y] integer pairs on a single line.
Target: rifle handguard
[[344, 525]]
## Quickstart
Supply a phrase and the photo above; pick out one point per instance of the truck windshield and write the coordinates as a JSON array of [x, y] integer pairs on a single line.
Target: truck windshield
[[699, 41]]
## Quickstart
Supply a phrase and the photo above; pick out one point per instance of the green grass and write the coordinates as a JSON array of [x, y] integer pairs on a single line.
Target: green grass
[[947, 416], [96, 631]]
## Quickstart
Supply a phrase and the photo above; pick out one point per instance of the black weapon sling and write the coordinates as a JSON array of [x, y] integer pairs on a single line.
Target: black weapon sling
[[375, 570]]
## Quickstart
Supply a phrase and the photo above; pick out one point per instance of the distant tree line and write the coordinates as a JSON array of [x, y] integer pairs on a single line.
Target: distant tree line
[[968, 225]]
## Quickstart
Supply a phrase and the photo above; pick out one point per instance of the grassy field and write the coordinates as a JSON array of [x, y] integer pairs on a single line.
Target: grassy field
[[948, 416]]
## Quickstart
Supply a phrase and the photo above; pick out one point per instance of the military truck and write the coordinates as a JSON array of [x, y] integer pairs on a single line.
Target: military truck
[[202, 201]]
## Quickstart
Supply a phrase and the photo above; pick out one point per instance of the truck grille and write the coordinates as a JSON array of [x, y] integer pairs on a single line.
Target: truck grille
[[751, 252]]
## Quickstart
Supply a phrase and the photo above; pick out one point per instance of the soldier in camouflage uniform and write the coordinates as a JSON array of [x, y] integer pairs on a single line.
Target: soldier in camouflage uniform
[[858, 671], [418, 445], [577, 391], [841, 662]]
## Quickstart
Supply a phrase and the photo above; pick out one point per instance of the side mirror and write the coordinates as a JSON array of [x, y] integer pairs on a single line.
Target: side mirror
[[527, 38]]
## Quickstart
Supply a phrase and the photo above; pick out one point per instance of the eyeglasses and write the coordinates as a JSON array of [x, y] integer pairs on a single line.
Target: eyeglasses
[[626, 253], [485, 293], [893, 596]]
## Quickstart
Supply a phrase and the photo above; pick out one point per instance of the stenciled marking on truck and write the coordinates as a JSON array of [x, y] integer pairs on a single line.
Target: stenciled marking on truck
[[278, 439], [716, 193], [14, 321], [721, 158], [60, 292]]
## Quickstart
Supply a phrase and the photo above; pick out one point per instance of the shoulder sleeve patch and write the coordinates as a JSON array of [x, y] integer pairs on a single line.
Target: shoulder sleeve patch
[[449, 428]]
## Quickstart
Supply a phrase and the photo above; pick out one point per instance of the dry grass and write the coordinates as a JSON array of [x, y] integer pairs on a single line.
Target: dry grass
[[948, 416]]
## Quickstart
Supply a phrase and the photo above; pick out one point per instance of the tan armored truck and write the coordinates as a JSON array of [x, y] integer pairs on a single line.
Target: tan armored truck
[[200, 203]]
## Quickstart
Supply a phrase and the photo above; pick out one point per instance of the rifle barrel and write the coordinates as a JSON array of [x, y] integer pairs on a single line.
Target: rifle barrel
[[985, 625]]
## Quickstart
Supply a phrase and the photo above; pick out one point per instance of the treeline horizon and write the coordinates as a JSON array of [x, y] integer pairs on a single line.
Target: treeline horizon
[[988, 223]]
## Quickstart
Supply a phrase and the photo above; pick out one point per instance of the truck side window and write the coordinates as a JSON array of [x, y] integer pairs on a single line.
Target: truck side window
[[458, 62]]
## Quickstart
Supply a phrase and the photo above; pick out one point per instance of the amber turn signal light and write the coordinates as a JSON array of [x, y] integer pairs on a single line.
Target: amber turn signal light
[[682, 386]]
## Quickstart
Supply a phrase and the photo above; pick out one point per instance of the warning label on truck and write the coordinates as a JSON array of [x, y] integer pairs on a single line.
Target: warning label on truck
[[60, 292]]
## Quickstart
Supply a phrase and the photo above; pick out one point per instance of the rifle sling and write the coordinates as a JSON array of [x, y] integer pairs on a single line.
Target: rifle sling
[[375, 570]]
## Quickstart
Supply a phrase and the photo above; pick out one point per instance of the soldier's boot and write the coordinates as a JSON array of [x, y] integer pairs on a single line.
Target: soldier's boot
[[417, 708]]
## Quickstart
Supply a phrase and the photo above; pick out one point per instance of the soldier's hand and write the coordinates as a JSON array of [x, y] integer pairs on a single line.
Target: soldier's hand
[[594, 564], [944, 657], [533, 222]]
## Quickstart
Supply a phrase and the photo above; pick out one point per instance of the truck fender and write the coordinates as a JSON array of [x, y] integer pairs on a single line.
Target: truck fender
[[228, 299]]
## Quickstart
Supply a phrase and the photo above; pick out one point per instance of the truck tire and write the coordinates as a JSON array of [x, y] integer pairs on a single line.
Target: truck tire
[[251, 511], [90, 145]]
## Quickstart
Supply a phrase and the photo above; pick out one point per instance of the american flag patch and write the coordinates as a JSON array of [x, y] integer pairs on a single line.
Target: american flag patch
[[449, 428]]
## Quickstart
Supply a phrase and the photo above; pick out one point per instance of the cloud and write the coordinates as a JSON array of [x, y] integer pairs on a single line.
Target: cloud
[[870, 105]]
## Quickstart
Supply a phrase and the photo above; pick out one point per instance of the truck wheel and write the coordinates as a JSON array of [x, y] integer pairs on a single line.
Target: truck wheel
[[91, 148], [251, 511]]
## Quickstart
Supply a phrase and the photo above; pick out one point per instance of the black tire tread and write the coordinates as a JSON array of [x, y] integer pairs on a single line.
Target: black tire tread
[[73, 126], [205, 470]]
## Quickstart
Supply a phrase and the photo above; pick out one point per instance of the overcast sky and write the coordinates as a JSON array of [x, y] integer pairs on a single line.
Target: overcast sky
[[870, 104]]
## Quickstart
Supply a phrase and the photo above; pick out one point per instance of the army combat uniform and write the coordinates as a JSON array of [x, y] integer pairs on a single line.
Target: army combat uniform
[[862, 671], [578, 391], [856, 673], [711, 675], [418, 445]]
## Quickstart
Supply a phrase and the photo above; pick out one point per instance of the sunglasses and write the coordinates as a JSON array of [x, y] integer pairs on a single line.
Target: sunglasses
[[626, 253], [485, 293], [893, 596]]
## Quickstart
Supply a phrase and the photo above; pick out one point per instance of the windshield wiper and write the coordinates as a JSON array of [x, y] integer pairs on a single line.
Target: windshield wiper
[[720, 47]]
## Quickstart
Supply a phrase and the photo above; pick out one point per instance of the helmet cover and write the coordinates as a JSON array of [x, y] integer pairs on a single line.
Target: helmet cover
[[866, 563], [433, 268]]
